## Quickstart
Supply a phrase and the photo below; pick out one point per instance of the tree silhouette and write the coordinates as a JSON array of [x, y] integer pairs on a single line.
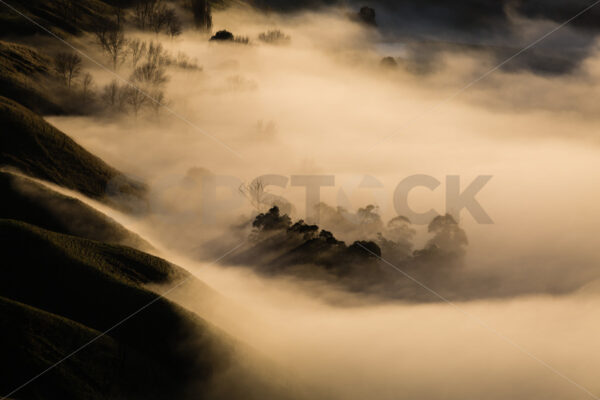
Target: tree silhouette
[[87, 86], [111, 38], [202, 14], [222, 36], [274, 37], [137, 50], [255, 193], [367, 15], [68, 66], [173, 25]]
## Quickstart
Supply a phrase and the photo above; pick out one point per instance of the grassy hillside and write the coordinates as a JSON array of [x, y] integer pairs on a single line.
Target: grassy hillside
[[54, 15], [58, 297], [97, 285], [32, 340], [34, 147], [28, 201], [26, 76]]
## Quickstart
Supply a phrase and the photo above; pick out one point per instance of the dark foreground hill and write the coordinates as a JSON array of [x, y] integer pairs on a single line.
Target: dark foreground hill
[[32, 339], [36, 148], [60, 17], [29, 78], [26, 200], [58, 292], [87, 287], [70, 291]]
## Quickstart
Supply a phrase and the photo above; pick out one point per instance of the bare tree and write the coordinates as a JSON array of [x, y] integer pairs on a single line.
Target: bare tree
[[111, 38], [173, 25], [87, 87], [145, 89], [254, 192], [138, 50], [113, 96], [140, 12], [202, 14], [119, 11], [159, 17], [157, 101], [183, 61], [68, 66], [136, 98], [274, 37], [149, 75], [157, 55]]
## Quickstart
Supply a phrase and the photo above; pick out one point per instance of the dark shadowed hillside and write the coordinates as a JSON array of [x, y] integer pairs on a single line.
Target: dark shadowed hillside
[[97, 285], [61, 17], [32, 339], [69, 290], [26, 200], [26, 76], [34, 147]]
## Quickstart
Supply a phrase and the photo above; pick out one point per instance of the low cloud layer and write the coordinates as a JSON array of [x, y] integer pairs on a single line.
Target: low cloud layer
[[322, 103]]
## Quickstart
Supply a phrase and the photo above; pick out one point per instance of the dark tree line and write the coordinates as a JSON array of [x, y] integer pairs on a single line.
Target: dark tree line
[[278, 245]]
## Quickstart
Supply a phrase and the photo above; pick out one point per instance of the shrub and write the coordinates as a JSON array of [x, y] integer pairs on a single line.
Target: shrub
[[222, 36], [274, 37]]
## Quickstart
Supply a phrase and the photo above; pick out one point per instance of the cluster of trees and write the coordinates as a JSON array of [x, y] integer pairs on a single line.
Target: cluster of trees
[[153, 15], [145, 88], [271, 37], [153, 52], [81, 86], [278, 245], [147, 60], [111, 38], [395, 238], [274, 37], [131, 97], [159, 16], [156, 16]]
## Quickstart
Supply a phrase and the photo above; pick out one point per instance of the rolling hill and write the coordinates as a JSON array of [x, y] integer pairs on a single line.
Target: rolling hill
[[31, 145], [27, 76], [67, 291], [26, 200]]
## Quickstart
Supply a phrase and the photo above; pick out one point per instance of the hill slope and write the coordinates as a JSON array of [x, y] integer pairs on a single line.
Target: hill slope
[[26, 76], [32, 340], [34, 147], [26, 200], [57, 298], [61, 17], [97, 285]]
